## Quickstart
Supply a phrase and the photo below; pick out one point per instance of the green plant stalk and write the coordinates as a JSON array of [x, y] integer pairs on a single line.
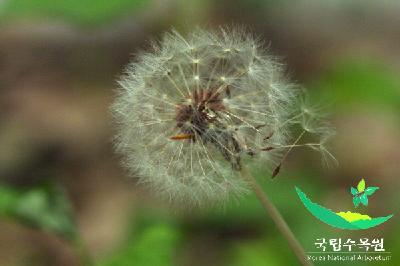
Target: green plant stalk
[[276, 217]]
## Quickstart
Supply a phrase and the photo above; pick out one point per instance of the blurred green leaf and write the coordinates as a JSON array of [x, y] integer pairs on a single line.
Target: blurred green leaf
[[77, 11], [259, 253], [155, 245], [7, 198], [355, 82], [44, 207]]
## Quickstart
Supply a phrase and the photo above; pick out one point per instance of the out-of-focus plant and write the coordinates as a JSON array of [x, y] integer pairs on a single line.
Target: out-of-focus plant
[[358, 82], [46, 208], [154, 245], [84, 12]]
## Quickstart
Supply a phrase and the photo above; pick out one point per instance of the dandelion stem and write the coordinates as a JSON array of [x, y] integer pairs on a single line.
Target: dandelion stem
[[276, 217]]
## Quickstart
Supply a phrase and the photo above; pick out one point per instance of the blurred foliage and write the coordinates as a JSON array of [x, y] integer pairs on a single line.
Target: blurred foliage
[[252, 238], [156, 244], [43, 207], [84, 12], [248, 208], [357, 82], [263, 251]]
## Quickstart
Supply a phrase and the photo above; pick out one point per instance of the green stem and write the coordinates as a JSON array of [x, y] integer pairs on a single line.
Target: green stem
[[276, 217]]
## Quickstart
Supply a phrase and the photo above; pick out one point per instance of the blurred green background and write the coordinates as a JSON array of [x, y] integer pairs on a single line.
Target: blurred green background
[[63, 192]]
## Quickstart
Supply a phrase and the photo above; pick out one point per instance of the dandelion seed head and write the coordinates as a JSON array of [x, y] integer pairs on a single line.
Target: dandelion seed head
[[194, 109]]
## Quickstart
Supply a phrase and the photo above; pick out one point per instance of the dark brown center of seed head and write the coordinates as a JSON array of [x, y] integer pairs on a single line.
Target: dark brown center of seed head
[[195, 117]]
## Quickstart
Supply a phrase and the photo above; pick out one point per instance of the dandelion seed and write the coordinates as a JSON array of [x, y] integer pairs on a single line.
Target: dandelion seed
[[188, 137]]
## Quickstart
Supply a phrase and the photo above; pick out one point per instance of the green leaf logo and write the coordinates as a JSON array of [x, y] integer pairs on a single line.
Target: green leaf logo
[[344, 219], [361, 194]]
